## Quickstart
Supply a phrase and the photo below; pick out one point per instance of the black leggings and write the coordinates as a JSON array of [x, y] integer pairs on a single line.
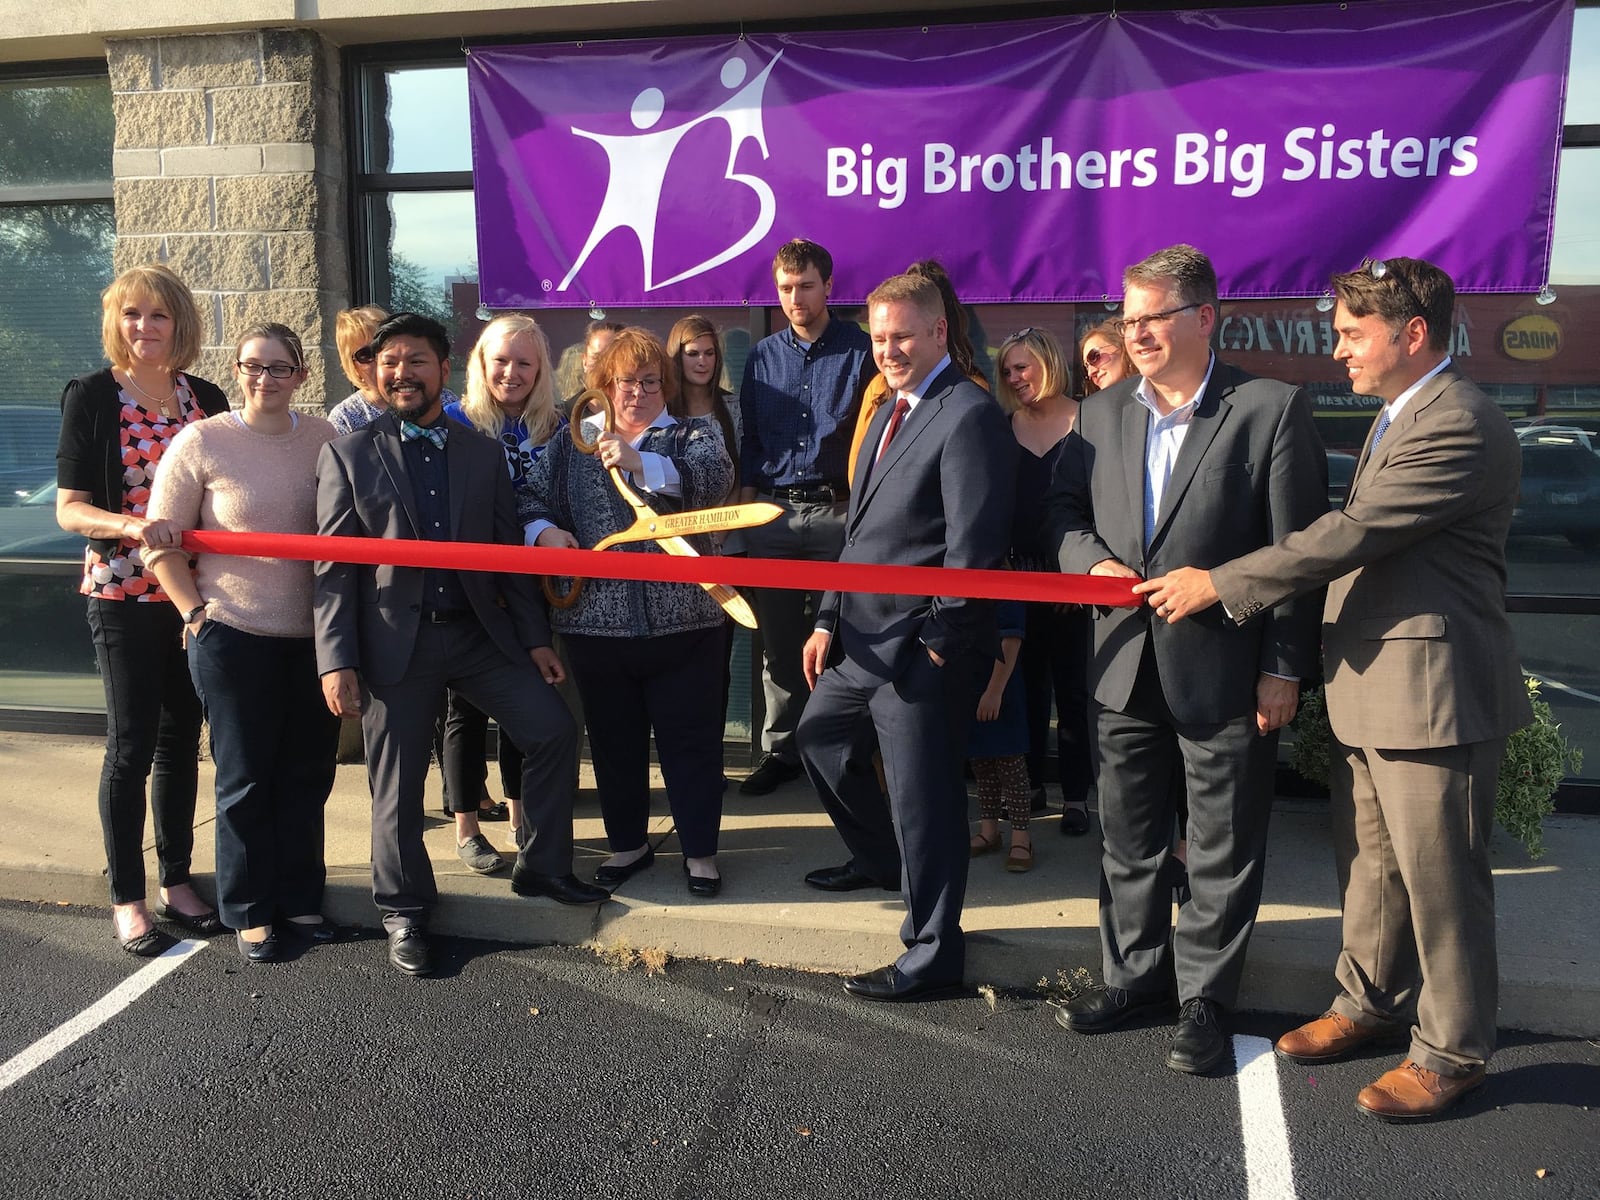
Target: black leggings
[[152, 721]]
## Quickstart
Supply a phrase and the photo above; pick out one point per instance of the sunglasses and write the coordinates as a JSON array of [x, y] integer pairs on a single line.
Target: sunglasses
[[1379, 269], [1099, 355], [1018, 335], [364, 356]]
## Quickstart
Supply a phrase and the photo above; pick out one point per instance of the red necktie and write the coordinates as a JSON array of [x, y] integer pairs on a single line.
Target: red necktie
[[901, 407]]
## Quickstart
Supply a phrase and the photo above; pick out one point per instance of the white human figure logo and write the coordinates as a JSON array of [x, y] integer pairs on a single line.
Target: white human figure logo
[[638, 165]]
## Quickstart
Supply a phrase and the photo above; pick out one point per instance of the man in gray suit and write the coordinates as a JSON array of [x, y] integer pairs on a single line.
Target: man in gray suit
[[1193, 461], [1423, 688], [934, 489], [391, 639]]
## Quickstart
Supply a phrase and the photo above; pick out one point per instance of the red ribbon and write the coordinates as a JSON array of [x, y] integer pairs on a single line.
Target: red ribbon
[[664, 568]]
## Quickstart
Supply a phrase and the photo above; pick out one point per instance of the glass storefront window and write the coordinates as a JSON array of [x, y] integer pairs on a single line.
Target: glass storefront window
[[420, 120], [1583, 80]]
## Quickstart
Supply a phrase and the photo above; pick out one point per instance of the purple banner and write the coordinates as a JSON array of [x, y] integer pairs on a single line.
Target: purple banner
[[1035, 158]]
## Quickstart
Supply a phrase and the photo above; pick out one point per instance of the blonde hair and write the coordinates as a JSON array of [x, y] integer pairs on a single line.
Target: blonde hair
[[352, 329], [488, 417], [160, 286], [630, 350], [1046, 350]]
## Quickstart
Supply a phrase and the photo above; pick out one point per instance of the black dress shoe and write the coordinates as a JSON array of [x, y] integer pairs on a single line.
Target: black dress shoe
[[888, 984], [770, 774], [568, 889], [702, 885], [1201, 1042], [1107, 1007], [409, 951], [206, 924], [611, 876], [266, 950], [317, 933], [1074, 821], [847, 879]]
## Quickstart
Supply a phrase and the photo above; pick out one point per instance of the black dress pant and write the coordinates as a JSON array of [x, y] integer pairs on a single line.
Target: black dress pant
[[1055, 663], [152, 732], [671, 684]]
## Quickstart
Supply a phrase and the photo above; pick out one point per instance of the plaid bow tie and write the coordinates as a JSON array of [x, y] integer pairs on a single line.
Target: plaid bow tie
[[436, 434]]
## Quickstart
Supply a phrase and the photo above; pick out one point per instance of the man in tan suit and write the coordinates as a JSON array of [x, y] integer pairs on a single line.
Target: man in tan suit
[[1423, 688]]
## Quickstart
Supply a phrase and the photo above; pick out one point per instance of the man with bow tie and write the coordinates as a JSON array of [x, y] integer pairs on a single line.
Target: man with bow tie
[[390, 639]]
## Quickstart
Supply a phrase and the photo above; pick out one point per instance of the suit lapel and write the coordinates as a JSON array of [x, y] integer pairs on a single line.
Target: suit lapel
[[1135, 436], [1430, 392], [386, 440]]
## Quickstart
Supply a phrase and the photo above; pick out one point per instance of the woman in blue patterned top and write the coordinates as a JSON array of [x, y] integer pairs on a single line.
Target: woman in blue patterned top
[[510, 397], [647, 656]]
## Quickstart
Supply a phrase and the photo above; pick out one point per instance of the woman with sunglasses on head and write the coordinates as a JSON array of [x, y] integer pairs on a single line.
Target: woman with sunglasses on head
[[116, 424], [1104, 355], [1055, 647], [248, 622], [510, 399], [696, 352], [647, 656]]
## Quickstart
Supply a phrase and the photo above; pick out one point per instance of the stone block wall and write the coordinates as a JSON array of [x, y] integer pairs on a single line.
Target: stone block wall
[[227, 167]]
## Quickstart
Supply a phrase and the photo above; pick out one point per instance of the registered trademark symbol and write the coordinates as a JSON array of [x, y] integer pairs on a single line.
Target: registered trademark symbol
[[546, 284]]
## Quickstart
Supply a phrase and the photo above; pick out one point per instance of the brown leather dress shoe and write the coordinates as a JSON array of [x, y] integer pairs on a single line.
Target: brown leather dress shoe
[[1414, 1093], [1328, 1038]]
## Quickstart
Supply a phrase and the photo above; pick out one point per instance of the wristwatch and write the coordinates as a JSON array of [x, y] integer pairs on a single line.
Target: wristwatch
[[197, 611]]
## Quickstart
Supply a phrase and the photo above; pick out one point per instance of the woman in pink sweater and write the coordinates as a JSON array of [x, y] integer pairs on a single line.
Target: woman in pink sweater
[[273, 740]]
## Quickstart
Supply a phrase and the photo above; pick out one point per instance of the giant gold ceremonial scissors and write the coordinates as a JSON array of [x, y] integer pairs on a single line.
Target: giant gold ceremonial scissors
[[664, 529]]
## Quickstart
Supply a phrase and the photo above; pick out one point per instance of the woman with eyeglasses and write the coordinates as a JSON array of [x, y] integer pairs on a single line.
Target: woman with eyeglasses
[[1104, 354], [116, 425], [511, 399], [248, 624], [1055, 645], [647, 656]]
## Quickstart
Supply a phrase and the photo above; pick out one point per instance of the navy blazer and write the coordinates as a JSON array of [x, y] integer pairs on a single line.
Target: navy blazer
[[942, 496]]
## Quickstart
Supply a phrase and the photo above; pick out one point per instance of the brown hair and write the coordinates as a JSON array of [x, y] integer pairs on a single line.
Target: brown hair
[[797, 254], [1397, 289], [958, 341], [916, 290], [1183, 265], [1107, 331], [273, 331], [159, 285], [632, 349], [686, 330]]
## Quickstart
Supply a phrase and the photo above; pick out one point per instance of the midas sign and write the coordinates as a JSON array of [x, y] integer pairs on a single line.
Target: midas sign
[[1531, 338]]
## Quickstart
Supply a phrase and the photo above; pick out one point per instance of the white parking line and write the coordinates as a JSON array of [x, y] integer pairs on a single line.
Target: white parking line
[[97, 1014], [1546, 681], [1269, 1168]]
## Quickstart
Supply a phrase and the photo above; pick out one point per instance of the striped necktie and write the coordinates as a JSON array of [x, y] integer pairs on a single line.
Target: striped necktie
[[1377, 434]]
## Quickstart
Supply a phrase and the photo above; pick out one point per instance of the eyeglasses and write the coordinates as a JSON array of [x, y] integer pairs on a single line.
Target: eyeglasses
[[1099, 355], [1379, 269], [276, 370], [1136, 325], [364, 355], [648, 386]]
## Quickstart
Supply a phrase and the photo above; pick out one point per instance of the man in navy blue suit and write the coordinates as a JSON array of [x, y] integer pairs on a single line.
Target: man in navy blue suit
[[935, 490]]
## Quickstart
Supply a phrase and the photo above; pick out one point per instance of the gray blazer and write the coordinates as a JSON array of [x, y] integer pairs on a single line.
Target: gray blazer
[[1419, 651], [941, 497], [1252, 469], [367, 616]]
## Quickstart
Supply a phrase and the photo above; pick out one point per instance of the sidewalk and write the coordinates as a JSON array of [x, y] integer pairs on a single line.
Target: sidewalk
[[1021, 929]]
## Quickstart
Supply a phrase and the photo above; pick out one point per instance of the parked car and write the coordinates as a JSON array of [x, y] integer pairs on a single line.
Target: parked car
[[1559, 435], [1560, 494], [1341, 470], [1589, 425], [28, 449], [29, 529]]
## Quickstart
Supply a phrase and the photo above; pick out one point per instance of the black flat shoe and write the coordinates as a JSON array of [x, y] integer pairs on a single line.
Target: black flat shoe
[[317, 933], [611, 876], [495, 812], [702, 885], [1074, 821], [266, 950], [565, 889], [152, 944], [206, 924]]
